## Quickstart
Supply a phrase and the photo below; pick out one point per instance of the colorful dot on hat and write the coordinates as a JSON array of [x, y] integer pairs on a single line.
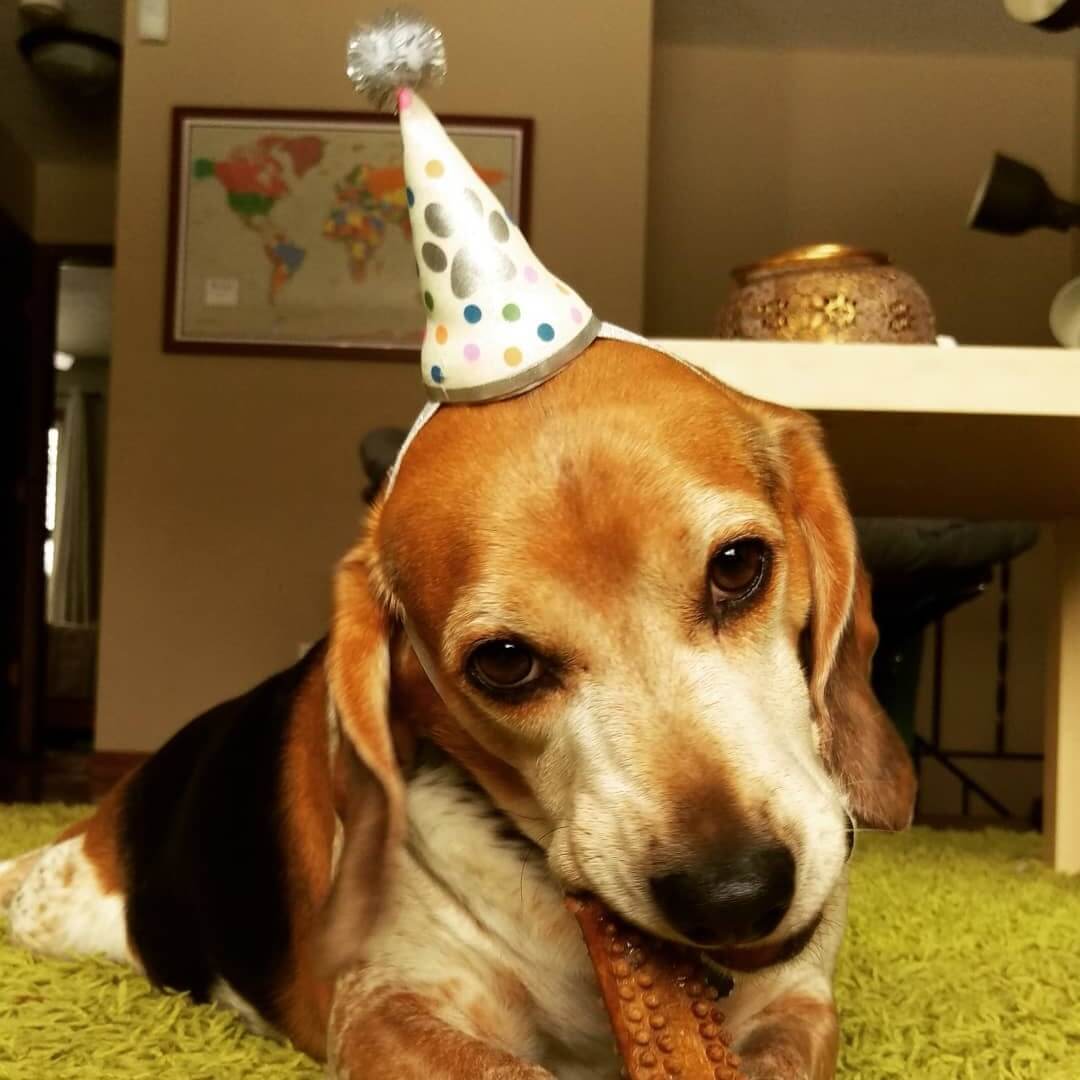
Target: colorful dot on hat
[[436, 373], [531, 275], [473, 314], [512, 357], [429, 301], [410, 198], [575, 314], [472, 353], [404, 98], [434, 168], [511, 313], [441, 334], [545, 331]]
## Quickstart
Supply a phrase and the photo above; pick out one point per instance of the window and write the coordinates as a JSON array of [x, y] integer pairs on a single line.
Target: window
[[50, 496]]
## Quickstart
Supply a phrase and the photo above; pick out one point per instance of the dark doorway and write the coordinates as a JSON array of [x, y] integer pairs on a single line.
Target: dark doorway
[[37, 758]]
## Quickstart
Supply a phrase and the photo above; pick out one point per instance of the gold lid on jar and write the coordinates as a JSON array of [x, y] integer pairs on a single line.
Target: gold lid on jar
[[810, 256]]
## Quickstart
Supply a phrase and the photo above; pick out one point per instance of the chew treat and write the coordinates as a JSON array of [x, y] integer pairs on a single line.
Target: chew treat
[[662, 1001]]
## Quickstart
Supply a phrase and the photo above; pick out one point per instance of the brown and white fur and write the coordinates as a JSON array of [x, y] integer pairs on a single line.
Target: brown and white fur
[[412, 846]]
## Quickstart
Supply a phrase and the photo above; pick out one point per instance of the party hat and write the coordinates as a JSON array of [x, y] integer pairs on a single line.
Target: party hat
[[498, 321]]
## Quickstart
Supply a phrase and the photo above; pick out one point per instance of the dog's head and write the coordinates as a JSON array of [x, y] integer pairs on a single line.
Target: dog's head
[[637, 594]]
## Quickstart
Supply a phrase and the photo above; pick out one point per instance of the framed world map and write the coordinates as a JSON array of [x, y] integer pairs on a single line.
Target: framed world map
[[289, 231]]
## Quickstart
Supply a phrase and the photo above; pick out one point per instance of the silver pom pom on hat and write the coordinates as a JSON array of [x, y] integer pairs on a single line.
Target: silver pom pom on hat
[[400, 49]]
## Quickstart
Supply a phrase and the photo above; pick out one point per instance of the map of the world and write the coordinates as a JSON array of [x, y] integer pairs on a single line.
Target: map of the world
[[301, 235]]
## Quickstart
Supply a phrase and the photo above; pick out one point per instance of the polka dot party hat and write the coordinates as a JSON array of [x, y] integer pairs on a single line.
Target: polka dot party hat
[[498, 321]]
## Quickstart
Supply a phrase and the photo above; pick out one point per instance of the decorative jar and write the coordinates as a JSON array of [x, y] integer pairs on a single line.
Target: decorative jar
[[827, 292]]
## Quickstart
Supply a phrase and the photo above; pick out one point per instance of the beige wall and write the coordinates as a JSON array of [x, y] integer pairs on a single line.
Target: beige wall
[[62, 218], [58, 202], [16, 182], [1074, 192], [57, 153], [754, 151], [233, 483]]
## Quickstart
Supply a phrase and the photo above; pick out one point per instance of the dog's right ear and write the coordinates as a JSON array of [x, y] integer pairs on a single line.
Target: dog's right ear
[[369, 788]]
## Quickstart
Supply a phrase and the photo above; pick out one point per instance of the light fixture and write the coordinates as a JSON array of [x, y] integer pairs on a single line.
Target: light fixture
[[76, 59], [1065, 315], [63, 361], [1013, 197], [1051, 15]]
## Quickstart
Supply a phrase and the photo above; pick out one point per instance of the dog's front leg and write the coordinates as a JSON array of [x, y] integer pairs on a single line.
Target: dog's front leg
[[399, 1035], [794, 1038]]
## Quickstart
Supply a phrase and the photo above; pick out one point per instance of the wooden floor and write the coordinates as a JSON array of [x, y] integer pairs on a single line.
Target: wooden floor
[[59, 776], [69, 776]]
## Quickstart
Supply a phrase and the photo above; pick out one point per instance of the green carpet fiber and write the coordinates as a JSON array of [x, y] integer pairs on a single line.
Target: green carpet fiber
[[962, 960]]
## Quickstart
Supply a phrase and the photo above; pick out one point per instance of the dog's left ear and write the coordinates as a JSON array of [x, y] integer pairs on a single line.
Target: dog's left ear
[[859, 745]]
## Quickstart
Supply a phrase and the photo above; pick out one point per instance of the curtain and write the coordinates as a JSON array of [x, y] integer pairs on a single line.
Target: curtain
[[71, 596]]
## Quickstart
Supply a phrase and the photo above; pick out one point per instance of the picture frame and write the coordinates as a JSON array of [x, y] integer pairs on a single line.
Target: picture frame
[[289, 229]]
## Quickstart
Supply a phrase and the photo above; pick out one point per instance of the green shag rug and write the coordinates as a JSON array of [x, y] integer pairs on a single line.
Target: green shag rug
[[962, 960]]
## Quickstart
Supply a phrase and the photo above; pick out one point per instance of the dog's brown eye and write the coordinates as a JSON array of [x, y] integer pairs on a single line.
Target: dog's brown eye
[[504, 665], [736, 570]]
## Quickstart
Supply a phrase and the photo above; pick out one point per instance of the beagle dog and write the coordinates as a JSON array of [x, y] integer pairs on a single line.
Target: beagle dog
[[608, 636]]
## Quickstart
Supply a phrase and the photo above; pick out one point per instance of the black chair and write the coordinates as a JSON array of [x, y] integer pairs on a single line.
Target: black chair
[[922, 570], [378, 449]]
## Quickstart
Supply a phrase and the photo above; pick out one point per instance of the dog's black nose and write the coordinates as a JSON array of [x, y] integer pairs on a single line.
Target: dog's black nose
[[733, 899]]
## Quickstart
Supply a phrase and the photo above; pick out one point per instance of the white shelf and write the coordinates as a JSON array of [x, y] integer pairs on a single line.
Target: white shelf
[[911, 379]]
